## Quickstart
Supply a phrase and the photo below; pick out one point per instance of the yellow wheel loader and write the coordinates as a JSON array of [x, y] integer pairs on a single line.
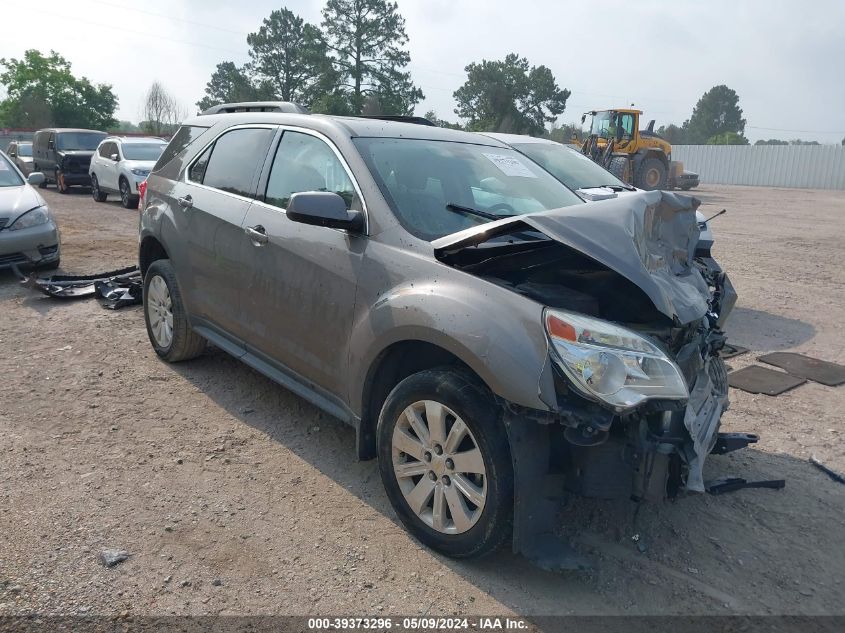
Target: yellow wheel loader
[[639, 157]]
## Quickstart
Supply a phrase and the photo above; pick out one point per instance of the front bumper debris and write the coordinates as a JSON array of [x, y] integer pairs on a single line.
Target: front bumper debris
[[114, 289]]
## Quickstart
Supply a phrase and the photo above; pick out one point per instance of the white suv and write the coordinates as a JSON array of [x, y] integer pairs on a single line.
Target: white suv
[[120, 164]]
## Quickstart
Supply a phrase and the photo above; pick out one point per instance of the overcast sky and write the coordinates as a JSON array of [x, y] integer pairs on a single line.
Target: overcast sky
[[782, 57]]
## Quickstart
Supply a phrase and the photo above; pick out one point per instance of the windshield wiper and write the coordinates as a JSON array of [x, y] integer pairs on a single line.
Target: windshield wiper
[[459, 208]]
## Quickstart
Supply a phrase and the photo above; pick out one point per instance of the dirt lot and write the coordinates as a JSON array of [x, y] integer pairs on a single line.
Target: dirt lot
[[235, 496]]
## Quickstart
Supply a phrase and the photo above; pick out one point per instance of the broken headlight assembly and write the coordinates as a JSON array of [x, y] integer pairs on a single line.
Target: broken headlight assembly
[[33, 217], [611, 364]]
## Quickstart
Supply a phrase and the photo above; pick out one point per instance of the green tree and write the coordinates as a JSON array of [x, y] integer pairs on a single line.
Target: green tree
[[727, 138], [289, 55], [42, 90], [565, 132], [367, 40], [672, 133], [431, 115], [716, 113], [509, 96], [772, 141], [231, 84]]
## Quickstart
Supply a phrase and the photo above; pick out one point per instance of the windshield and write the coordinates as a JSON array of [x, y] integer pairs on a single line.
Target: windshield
[[86, 141], [9, 176], [422, 179], [25, 150], [143, 151], [601, 124], [572, 168]]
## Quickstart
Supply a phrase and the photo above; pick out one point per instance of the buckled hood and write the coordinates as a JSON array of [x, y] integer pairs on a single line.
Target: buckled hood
[[649, 238]]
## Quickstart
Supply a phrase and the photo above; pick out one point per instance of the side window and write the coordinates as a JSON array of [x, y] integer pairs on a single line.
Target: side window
[[628, 124], [102, 151], [305, 163], [184, 136], [235, 159], [197, 171]]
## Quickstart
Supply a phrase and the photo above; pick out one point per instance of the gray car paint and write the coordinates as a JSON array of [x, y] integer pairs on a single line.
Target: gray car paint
[[401, 291]]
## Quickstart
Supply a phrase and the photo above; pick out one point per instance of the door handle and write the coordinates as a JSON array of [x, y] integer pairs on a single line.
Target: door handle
[[186, 203], [257, 234]]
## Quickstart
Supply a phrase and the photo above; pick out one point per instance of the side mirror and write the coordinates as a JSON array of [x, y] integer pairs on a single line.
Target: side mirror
[[115, 157], [51, 145], [323, 208], [35, 178]]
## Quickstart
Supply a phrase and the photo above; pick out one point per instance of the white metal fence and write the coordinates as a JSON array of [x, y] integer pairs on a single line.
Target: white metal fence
[[804, 166]]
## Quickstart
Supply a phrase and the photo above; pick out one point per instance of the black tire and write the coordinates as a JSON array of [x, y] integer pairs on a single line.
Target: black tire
[[467, 397], [185, 344], [98, 195], [651, 174], [61, 187], [686, 187], [126, 198], [619, 168]]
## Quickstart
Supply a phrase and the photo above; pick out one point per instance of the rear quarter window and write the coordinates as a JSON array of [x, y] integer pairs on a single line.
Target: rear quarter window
[[183, 139]]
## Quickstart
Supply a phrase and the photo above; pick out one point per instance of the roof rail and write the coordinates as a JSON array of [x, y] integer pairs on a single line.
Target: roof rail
[[257, 106], [419, 120]]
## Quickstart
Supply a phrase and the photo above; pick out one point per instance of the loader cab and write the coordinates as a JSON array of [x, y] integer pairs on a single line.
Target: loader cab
[[621, 125]]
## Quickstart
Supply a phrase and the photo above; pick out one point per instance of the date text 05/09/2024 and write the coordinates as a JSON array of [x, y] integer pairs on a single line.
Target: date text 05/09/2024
[[417, 623]]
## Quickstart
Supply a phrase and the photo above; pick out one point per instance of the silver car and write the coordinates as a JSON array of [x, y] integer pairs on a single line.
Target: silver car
[[20, 152], [493, 339], [28, 232]]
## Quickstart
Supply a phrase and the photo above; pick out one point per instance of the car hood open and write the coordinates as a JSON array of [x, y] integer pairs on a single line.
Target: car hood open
[[649, 238]]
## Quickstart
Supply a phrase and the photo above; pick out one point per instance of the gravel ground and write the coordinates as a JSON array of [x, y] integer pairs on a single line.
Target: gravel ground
[[234, 496]]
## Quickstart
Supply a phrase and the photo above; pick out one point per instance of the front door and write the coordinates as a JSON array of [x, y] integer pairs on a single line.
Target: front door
[[299, 286]]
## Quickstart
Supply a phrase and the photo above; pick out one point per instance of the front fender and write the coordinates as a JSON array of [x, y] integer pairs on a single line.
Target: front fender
[[497, 333]]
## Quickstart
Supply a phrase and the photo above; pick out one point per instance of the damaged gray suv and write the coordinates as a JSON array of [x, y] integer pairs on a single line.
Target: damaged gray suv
[[494, 340]]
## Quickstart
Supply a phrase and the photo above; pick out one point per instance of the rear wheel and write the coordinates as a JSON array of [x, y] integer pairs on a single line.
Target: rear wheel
[[445, 462], [98, 195], [651, 174], [167, 320]]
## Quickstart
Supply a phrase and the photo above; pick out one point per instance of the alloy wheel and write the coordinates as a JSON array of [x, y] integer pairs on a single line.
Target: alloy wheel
[[439, 467], [160, 311]]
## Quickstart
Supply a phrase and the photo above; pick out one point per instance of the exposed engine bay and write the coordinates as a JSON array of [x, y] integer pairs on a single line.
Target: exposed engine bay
[[641, 272]]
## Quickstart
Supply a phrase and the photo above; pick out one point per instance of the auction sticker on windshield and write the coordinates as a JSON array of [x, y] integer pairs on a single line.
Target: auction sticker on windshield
[[510, 166]]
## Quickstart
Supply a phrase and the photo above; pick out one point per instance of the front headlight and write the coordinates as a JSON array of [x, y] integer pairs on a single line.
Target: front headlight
[[141, 172], [610, 363], [34, 217]]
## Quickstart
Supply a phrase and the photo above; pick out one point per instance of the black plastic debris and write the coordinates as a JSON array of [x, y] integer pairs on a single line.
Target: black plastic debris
[[756, 379], [730, 484], [114, 289], [830, 374]]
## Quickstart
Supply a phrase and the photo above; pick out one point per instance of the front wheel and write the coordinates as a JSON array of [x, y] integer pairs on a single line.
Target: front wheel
[[61, 186], [167, 320], [445, 462]]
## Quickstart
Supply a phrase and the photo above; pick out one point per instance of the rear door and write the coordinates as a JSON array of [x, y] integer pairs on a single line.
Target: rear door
[[300, 280], [210, 205], [105, 166]]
